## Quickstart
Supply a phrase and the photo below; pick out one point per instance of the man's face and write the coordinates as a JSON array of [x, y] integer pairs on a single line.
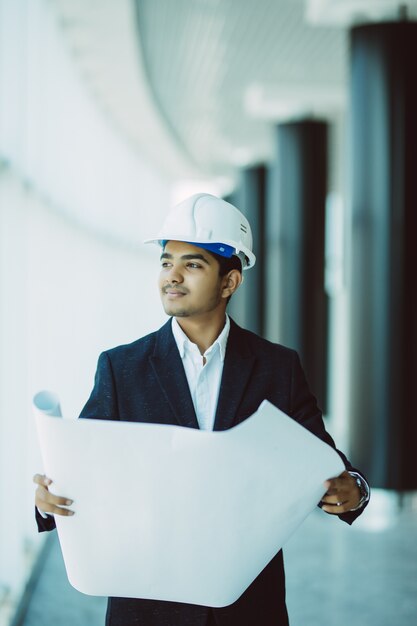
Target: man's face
[[189, 282]]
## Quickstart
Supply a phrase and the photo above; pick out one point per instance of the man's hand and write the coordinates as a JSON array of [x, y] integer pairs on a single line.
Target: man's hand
[[343, 494], [46, 501]]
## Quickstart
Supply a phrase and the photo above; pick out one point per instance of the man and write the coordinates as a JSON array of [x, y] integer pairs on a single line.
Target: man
[[201, 370]]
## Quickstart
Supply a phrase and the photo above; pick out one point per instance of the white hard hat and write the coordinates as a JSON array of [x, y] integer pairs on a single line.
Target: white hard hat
[[211, 222]]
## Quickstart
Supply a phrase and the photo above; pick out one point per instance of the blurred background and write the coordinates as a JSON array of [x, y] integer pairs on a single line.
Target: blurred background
[[303, 113]]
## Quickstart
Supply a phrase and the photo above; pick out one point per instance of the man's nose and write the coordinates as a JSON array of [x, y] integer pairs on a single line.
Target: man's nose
[[174, 276]]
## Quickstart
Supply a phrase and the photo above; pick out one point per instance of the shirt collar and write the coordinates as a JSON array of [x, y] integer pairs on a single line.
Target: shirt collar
[[183, 342]]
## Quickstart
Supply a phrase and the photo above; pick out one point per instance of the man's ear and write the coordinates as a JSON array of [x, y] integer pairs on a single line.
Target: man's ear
[[231, 283]]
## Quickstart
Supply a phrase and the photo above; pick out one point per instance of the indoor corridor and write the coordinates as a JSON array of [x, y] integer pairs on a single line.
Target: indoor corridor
[[279, 139]]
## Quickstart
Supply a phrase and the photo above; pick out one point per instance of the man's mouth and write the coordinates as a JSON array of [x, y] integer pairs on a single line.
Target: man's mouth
[[173, 292]]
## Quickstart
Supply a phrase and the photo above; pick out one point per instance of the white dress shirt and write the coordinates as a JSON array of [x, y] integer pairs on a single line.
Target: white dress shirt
[[203, 372]]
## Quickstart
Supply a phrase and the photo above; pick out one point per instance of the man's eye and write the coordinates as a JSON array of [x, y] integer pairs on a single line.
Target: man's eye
[[193, 265], [164, 264]]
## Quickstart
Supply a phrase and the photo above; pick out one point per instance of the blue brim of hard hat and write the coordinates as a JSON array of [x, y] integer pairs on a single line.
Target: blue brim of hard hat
[[217, 248]]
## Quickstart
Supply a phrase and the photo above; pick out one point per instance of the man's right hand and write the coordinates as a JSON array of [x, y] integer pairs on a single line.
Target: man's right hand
[[46, 501]]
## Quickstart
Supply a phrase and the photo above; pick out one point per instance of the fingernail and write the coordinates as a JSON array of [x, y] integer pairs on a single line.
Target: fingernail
[[47, 481], [69, 501], [70, 512]]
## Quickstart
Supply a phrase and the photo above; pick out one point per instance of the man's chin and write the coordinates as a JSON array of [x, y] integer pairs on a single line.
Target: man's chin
[[173, 312]]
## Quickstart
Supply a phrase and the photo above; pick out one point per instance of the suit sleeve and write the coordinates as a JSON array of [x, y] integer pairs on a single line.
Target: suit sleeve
[[44, 523], [305, 411], [102, 403]]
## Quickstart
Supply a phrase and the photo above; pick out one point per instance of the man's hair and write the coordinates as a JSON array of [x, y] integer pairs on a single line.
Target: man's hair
[[226, 265]]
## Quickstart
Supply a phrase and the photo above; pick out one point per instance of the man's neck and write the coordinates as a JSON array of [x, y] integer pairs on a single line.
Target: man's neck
[[204, 330]]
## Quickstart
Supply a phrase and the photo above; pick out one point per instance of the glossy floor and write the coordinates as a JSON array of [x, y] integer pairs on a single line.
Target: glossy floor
[[337, 575]]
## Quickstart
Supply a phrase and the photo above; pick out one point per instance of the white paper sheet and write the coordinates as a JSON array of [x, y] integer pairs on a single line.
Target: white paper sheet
[[173, 513]]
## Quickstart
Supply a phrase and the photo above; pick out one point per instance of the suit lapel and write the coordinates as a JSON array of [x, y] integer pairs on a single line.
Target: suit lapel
[[238, 365], [169, 370]]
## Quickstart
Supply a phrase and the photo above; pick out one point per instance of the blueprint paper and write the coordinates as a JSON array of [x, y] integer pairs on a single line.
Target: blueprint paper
[[47, 403], [172, 513]]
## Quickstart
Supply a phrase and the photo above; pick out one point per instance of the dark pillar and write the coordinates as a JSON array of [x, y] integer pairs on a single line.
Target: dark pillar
[[247, 306], [297, 303], [384, 253]]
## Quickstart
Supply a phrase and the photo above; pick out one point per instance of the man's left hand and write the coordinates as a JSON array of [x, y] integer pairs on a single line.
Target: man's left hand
[[342, 495]]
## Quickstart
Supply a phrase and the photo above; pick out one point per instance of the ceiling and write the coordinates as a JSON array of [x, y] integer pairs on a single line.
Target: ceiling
[[197, 85]]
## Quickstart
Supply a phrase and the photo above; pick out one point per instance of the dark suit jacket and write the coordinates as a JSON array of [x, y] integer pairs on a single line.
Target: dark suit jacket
[[145, 381]]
